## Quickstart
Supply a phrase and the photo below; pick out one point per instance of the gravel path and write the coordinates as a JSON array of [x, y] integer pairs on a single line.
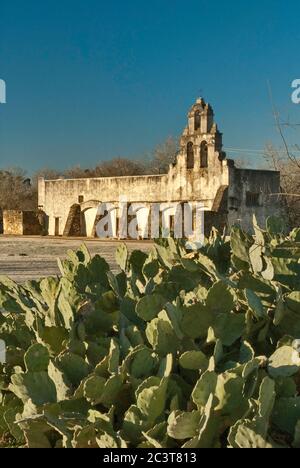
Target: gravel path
[[26, 258]]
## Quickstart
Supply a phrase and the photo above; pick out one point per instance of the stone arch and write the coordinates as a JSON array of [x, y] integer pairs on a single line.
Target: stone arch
[[89, 204], [89, 217], [190, 155], [203, 154]]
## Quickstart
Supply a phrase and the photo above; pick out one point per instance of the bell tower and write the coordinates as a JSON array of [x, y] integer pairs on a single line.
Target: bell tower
[[200, 117], [201, 140]]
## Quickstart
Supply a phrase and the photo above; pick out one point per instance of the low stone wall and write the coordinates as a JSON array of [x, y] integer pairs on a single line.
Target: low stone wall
[[13, 222], [19, 223]]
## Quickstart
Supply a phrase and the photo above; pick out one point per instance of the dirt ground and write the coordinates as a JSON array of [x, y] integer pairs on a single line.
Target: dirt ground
[[26, 258]]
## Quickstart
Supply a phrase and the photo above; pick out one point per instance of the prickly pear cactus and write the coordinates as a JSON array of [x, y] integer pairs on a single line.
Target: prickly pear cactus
[[179, 349]]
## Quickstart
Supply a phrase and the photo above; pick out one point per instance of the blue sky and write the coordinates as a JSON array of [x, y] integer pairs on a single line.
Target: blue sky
[[90, 80]]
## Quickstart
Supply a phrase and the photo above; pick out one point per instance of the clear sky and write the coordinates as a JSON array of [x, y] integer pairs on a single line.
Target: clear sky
[[90, 80]]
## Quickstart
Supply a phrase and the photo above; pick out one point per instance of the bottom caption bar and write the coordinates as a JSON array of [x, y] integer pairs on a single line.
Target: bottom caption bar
[[136, 456]]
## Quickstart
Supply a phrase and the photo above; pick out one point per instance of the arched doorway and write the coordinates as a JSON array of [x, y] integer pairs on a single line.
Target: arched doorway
[[89, 211], [73, 226]]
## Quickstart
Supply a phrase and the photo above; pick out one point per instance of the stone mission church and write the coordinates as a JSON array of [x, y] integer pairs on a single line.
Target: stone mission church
[[200, 173]]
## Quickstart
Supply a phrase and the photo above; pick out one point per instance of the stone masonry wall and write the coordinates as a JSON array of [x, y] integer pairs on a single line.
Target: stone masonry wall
[[13, 222], [18, 223], [253, 192]]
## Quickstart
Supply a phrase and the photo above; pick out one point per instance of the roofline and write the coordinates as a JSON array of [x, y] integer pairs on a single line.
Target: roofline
[[104, 178], [257, 170]]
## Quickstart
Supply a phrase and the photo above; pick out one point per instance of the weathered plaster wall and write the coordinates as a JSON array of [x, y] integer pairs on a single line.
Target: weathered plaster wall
[[180, 184], [200, 173], [266, 184]]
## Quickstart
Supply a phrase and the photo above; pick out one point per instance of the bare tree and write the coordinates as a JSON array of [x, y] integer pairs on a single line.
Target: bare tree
[[288, 164], [290, 183], [157, 163], [164, 155], [47, 173], [119, 167], [16, 190], [76, 172], [113, 168]]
